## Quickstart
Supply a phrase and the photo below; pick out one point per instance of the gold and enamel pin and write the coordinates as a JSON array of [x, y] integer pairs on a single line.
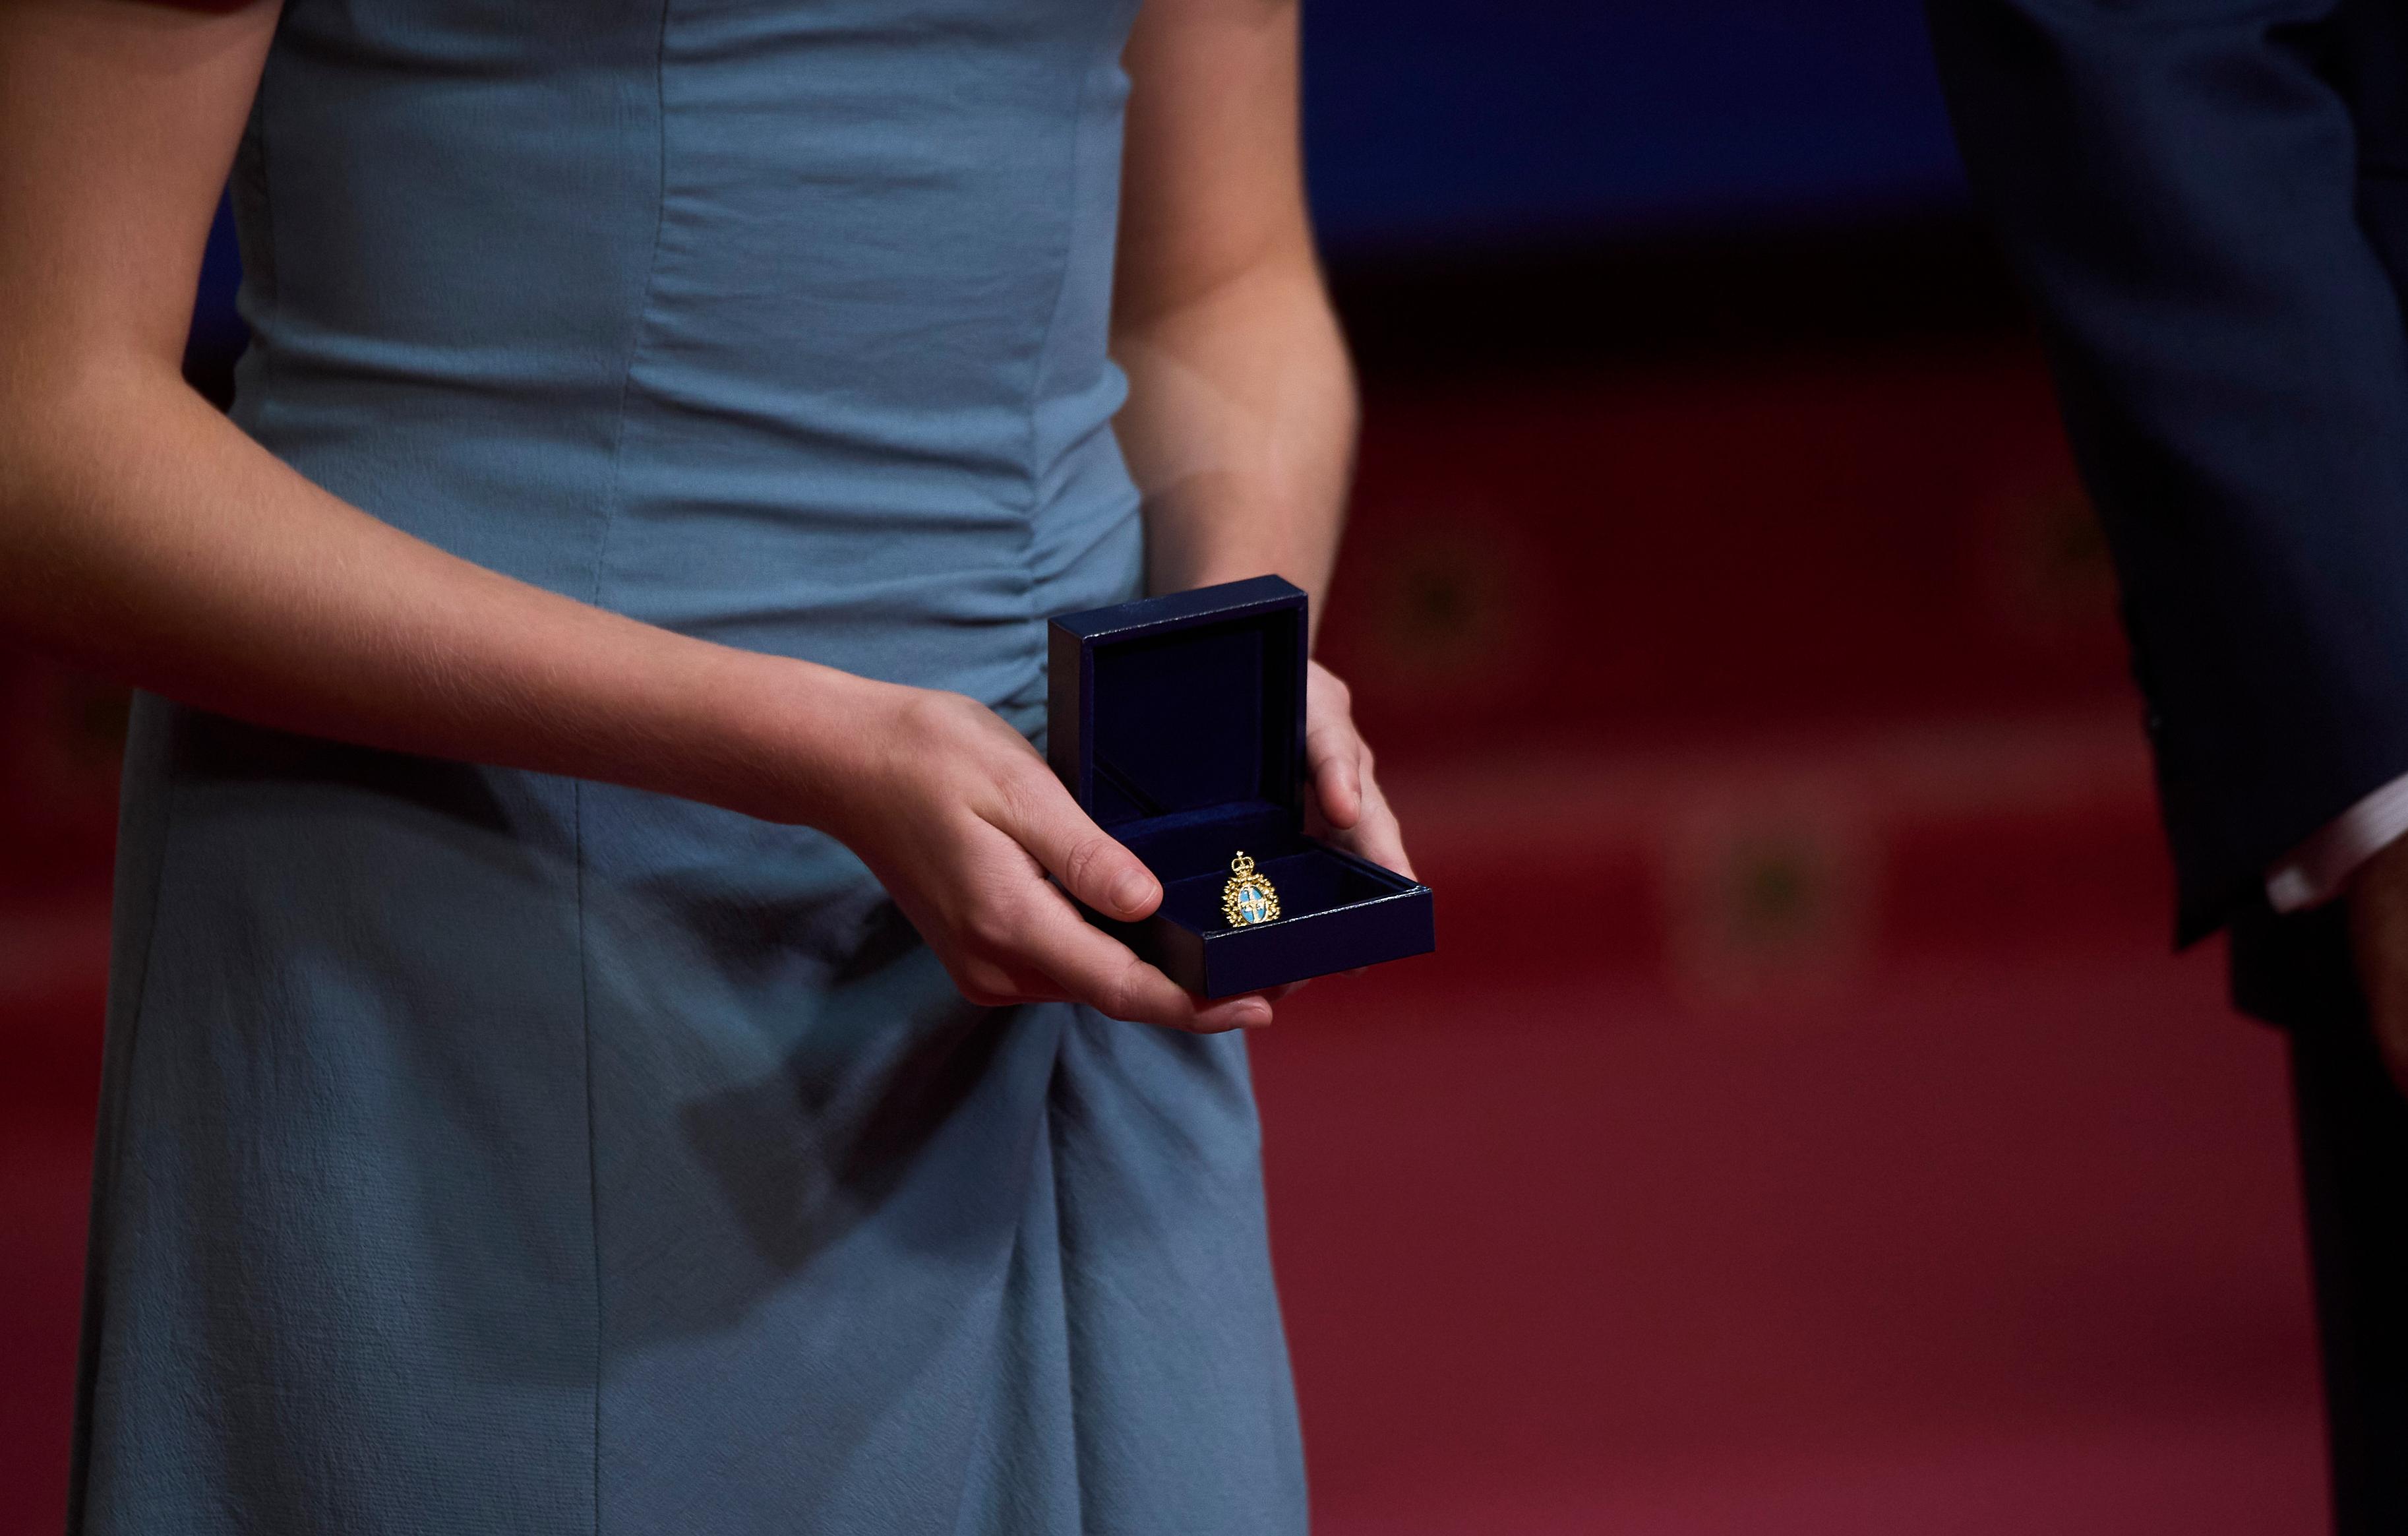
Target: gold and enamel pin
[[1248, 898]]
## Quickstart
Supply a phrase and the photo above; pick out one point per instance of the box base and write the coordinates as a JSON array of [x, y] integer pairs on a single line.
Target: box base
[[1339, 912]]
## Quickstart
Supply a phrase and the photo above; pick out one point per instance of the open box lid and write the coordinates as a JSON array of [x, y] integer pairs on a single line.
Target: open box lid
[[1178, 724], [1184, 713]]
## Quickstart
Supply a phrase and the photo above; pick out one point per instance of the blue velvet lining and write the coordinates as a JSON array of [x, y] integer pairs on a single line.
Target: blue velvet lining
[[1203, 841], [1195, 719], [1309, 879]]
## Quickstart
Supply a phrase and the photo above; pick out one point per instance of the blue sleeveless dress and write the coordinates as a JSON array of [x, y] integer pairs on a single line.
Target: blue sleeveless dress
[[489, 1152]]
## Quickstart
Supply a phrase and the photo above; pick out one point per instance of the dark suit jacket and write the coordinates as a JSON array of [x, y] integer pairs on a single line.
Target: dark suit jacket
[[2208, 202]]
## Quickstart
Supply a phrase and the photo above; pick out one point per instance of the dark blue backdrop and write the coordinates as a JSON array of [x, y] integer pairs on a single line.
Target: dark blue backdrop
[[1454, 123]]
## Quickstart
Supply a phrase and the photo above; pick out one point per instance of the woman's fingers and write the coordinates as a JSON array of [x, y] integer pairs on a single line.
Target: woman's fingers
[[966, 859], [1337, 784], [1071, 959], [1376, 836], [1333, 752], [1098, 970], [1343, 778], [1091, 865]]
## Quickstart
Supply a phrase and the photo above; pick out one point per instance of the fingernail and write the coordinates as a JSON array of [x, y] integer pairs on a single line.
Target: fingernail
[[1131, 890]]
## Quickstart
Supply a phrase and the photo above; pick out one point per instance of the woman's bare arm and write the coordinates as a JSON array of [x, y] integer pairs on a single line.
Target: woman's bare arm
[[1240, 428], [1240, 422], [144, 536]]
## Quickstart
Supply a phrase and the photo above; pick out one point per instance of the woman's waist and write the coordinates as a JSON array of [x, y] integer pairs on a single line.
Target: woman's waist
[[775, 550]]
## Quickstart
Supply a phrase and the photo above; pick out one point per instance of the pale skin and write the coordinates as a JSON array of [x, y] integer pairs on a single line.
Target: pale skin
[[145, 537]]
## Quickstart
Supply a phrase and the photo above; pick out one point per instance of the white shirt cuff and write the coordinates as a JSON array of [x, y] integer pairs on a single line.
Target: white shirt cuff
[[2316, 869]]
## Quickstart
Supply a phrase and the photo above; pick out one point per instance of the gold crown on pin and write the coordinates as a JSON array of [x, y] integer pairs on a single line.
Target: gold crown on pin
[[1248, 898]]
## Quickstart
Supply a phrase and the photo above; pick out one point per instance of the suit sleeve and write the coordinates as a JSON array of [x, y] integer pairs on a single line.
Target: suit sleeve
[[2177, 183]]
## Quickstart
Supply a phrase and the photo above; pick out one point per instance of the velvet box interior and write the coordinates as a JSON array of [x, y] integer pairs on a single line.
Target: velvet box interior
[[1178, 723]]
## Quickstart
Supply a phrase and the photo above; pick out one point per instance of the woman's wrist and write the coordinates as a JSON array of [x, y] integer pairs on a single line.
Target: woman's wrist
[[768, 736], [1197, 537], [1204, 569]]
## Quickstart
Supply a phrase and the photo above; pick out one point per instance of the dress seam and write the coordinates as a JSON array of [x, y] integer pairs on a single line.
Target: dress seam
[[1033, 468], [610, 507], [1035, 471], [643, 311], [593, 1161], [1062, 1269]]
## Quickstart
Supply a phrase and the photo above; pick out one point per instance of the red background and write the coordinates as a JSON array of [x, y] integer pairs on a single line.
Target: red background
[[1802, 1127]]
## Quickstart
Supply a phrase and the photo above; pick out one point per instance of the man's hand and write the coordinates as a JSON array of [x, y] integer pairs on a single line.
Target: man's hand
[[2378, 932]]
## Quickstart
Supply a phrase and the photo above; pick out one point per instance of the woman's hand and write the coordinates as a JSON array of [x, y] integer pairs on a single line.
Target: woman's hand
[[961, 821], [1346, 801]]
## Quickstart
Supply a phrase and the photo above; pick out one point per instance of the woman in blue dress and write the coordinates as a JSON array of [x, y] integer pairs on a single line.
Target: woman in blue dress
[[593, 1044]]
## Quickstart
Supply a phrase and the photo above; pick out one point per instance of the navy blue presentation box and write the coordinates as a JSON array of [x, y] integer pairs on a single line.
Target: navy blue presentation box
[[1178, 723]]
